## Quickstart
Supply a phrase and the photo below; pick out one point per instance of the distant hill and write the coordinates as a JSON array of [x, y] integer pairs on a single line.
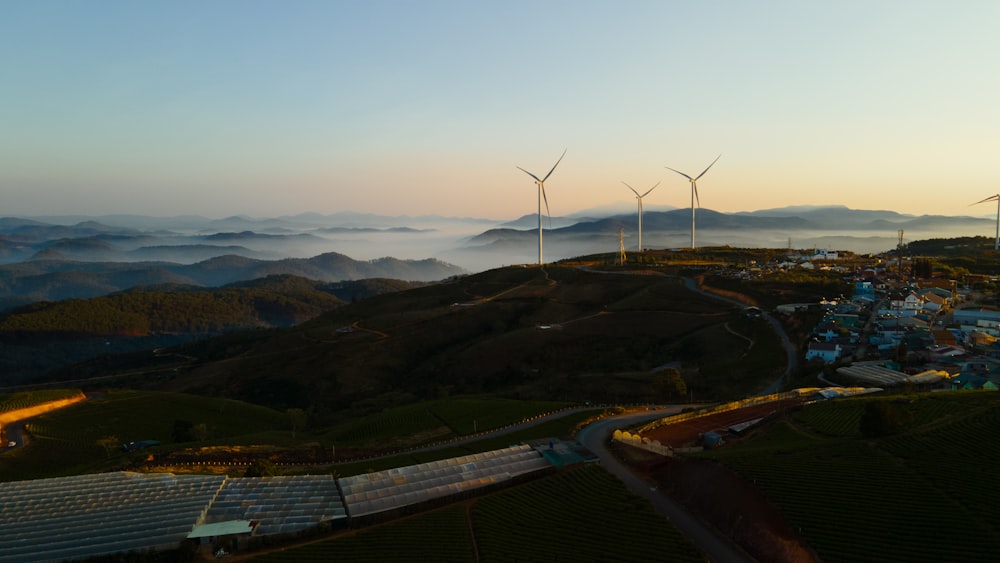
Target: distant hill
[[55, 279], [268, 302], [474, 244]]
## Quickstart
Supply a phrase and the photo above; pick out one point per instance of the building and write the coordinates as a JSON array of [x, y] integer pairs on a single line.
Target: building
[[826, 351]]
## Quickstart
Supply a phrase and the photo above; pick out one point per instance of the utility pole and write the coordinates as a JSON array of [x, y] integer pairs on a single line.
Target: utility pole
[[621, 247], [899, 255]]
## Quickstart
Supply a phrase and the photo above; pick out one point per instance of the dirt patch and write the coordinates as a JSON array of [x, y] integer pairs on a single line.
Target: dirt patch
[[688, 432], [724, 499]]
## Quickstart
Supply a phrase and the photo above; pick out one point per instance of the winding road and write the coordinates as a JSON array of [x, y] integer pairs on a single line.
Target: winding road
[[791, 352], [716, 546]]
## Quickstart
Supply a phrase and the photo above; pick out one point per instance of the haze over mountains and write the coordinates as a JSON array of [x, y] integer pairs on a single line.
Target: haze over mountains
[[50, 258]]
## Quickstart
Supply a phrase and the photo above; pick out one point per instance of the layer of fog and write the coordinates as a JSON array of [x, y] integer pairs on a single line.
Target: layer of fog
[[368, 237]]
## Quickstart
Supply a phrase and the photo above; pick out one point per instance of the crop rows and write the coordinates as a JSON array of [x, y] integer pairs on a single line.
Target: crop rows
[[27, 399], [441, 535], [922, 495], [69, 437], [582, 514], [836, 418], [559, 426], [133, 415], [850, 491], [389, 425], [963, 472], [436, 420], [466, 416]]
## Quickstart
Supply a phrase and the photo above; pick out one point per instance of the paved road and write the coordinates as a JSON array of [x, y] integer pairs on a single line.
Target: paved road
[[791, 352], [716, 546], [14, 434]]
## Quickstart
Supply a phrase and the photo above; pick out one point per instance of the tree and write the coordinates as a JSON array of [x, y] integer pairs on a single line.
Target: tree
[[183, 431], [923, 268], [199, 431], [669, 384], [901, 352], [109, 443], [261, 467]]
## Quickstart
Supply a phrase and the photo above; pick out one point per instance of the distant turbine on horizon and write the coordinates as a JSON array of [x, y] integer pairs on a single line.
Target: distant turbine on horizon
[[996, 241], [542, 196], [639, 197], [694, 192]]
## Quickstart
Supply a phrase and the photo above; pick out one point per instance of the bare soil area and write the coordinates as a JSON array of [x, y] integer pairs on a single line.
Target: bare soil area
[[725, 500], [688, 433], [716, 494]]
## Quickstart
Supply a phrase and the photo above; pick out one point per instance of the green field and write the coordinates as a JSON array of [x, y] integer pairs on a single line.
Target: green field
[[69, 441], [583, 514], [431, 421], [65, 442], [923, 494], [557, 427]]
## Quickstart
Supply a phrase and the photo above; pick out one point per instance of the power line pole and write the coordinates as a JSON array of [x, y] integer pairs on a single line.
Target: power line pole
[[621, 247]]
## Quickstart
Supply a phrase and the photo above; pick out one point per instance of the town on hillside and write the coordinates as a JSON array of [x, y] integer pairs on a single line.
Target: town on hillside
[[898, 328]]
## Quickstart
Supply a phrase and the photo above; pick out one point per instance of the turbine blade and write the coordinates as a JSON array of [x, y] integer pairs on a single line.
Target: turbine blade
[[633, 190], [547, 212], [992, 197], [679, 172], [529, 174], [649, 190], [709, 166], [694, 187], [554, 165]]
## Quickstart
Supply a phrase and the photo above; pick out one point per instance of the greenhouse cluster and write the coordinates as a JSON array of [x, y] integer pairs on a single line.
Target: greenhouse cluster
[[93, 515]]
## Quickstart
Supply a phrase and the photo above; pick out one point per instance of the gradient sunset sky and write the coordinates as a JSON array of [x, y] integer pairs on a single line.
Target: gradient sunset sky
[[403, 107]]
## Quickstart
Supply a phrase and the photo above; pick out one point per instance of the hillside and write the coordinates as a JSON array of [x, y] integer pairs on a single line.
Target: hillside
[[561, 333], [855, 494], [45, 336]]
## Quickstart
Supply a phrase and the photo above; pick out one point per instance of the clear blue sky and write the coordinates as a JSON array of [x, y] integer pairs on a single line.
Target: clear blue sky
[[405, 107]]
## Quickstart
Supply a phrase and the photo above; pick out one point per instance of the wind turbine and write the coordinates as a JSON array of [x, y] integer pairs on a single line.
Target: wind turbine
[[541, 196], [996, 242], [694, 192], [639, 197]]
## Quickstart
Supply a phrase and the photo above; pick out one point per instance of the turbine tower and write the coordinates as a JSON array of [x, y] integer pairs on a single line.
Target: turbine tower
[[996, 241], [639, 197], [694, 192], [542, 196]]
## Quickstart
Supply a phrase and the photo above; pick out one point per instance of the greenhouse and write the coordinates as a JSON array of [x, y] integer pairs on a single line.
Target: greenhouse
[[91, 515], [403, 486]]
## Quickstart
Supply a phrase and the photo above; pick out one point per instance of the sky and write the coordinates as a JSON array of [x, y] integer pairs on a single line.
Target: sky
[[267, 108]]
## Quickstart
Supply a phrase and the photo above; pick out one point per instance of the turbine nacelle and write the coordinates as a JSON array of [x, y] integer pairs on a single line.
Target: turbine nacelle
[[542, 197], [695, 199], [637, 193]]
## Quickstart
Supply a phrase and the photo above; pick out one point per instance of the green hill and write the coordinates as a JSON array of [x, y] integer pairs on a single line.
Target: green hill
[[562, 333], [46, 336], [921, 493], [274, 301]]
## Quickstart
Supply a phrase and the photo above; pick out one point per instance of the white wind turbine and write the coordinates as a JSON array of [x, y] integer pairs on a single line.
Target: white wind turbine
[[694, 192], [542, 196], [639, 197], [996, 242]]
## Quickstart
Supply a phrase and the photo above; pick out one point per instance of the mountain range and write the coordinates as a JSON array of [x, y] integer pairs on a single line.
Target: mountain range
[[51, 258], [55, 279]]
